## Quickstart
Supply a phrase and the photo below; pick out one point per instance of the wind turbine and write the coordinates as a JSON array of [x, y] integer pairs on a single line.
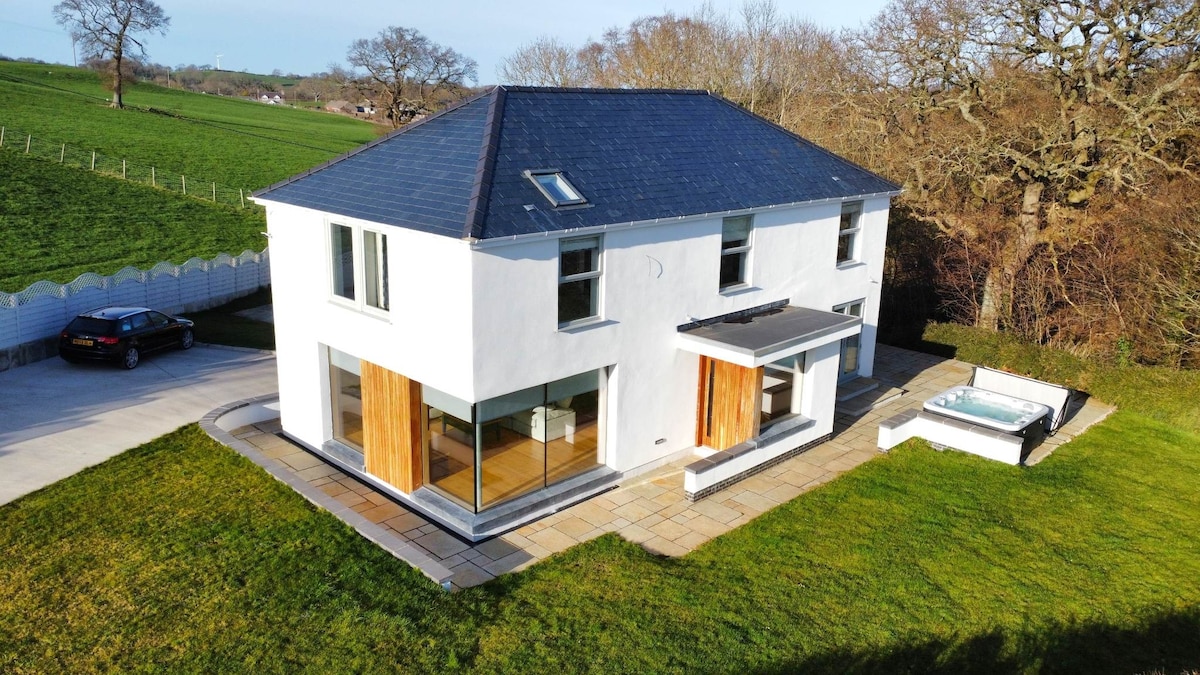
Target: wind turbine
[[219, 61]]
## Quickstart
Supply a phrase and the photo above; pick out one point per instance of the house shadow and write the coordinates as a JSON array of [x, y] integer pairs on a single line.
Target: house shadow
[[1168, 642]]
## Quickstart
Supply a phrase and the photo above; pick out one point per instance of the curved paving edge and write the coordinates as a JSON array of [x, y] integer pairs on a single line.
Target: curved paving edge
[[372, 532]]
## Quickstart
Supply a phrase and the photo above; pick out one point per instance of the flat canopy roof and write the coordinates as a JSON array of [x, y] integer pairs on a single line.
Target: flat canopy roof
[[753, 341]]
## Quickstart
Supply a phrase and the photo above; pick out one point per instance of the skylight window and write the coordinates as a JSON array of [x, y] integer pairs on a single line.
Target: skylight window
[[555, 187]]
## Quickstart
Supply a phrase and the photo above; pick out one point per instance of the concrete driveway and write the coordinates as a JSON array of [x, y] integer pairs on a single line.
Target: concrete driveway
[[57, 418]]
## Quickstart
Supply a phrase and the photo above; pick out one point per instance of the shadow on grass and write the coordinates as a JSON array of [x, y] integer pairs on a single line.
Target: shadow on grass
[[1165, 643]]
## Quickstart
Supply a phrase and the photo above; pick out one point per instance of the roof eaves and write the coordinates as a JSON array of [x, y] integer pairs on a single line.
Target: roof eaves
[[482, 188], [896, 187], [366, 146]]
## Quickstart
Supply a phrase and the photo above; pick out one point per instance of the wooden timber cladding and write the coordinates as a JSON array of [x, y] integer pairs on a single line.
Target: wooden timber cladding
[[730, 400], [391, 426]]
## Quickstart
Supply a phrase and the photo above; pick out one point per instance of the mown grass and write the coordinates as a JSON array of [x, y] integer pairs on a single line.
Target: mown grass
[[181, 556], [57, 223], [229, 141]]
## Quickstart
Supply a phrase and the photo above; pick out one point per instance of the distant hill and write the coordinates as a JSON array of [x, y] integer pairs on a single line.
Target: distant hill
[[57, 222], [230, 141]]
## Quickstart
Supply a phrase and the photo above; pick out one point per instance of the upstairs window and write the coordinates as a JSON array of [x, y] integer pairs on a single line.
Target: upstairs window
[[359, 266], [555, 187], [735, 251], [848, 228], [342, 253], [578, 280]]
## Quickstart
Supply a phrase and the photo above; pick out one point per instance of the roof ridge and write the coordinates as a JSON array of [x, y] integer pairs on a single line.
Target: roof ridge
[[370, 144], [482, 187], [597, 90]]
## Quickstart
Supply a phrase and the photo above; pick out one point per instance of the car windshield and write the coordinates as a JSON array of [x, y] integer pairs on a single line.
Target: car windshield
[[90, 325]]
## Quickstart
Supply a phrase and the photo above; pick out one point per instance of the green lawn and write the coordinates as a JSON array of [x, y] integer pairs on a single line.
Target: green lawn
[[57, 223], [233, 142], [182, 556]]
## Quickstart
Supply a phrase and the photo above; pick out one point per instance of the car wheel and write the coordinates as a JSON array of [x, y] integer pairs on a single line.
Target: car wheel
[[129, 359], [69, 359], [187, 339]]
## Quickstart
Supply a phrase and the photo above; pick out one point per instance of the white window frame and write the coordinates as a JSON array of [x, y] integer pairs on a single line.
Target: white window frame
[[597, 274], [380, 280], [854, 211], [573, 197], [844, 308], [744, 249]]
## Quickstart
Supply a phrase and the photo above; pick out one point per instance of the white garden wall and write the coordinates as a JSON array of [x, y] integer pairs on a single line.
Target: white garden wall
[[30, 320]]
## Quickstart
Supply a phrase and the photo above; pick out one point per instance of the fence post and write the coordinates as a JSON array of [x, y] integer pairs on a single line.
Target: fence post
[[62, 155], [242, 197], [122, 169], [183, 181], [28, 140], [214, 192], [93, 160], [1, 137], [152, 184]]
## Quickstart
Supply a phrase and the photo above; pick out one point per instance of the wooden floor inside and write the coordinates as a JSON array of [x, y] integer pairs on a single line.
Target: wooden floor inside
[[513, 464]]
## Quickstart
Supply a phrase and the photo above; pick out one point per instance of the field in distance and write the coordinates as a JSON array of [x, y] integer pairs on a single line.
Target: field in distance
[[229, 141]]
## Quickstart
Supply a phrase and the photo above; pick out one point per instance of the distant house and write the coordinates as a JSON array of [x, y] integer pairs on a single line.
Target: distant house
[[537, 294], [271, 98], [365, 108], [338, 106]]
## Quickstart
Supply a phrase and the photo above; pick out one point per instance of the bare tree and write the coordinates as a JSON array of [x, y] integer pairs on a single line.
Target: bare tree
[[104, 28], [545, 62], [1019, 124], [412, 74]]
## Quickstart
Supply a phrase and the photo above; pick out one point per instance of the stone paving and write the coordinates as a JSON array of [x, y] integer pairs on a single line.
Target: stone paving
[[649, 509]]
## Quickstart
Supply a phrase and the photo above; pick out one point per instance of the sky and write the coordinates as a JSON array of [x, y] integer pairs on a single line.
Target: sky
[[305, 36]]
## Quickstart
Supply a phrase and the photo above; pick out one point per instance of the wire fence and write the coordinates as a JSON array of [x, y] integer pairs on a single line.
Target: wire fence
[[68, 155]]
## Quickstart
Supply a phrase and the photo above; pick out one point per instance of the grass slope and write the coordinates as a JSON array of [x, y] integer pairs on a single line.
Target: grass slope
[[233, 142], [180, 555], [57, 223]]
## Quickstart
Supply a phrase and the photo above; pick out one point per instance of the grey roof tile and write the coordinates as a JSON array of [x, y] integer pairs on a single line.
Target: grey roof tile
[[634, 154]]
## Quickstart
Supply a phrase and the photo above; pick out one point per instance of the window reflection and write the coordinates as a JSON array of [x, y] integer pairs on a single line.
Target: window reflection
[[345, 388], [524, 440]]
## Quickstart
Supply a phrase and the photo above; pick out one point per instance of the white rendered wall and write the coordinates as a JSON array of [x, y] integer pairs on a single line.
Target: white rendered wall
[[655, 279], [426, 335], [480, 322]]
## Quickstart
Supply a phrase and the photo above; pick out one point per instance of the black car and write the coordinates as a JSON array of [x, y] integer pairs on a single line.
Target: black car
[[122, 334]]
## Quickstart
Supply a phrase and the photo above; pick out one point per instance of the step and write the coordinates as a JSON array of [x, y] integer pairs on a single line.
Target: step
[[866, 402], [856, 387]]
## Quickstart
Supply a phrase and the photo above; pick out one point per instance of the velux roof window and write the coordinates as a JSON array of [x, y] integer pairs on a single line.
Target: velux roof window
[[555, 187]]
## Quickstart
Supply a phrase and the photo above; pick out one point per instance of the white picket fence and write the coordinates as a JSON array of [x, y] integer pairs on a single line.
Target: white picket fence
[[30, 318]]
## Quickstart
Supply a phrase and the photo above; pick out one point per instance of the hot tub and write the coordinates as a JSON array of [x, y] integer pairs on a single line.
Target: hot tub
[[988, 409]]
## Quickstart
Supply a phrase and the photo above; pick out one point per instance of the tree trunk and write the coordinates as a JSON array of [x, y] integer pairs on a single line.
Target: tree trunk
[[995, 308], [117, 102]]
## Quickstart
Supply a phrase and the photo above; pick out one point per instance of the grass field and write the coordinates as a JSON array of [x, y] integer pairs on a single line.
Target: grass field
[[242, 144], [57, 223], [182, 556]]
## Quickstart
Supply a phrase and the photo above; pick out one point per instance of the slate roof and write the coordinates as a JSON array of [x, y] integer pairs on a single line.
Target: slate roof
[[636, 155]]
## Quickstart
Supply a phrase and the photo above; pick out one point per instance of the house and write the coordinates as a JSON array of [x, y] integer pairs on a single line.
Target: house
[[271, 98], [339, 106], [538, 293]]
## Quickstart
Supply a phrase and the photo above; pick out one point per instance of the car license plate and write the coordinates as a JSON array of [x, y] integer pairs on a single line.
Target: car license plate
[[85, 343]]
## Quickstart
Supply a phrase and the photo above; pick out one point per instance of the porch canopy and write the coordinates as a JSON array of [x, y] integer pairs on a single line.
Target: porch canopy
[[756, 340]]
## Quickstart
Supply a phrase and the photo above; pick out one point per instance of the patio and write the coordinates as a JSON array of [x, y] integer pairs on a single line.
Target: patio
[[649, 509]]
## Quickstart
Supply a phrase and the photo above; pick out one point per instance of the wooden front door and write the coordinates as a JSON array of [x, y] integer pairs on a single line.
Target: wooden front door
[[391, 407], [729, 403]]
